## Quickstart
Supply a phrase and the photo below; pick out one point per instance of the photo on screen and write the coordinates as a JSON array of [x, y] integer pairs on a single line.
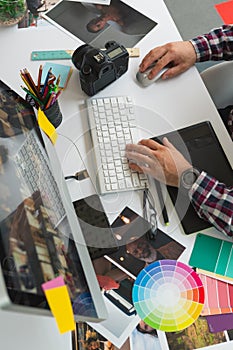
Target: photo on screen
[[195, 336], [38, 252], [96, 24], [136, 250]]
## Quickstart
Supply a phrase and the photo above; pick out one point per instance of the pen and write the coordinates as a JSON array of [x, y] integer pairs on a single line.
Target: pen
[[161, 201]]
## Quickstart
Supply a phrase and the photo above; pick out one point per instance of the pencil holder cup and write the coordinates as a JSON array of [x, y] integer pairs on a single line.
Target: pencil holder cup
[[53, 113]]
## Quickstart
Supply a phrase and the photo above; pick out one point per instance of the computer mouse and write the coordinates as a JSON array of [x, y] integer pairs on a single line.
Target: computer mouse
[[142, 77]]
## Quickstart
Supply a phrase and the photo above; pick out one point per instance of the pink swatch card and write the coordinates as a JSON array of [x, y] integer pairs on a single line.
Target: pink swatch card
[[218, 296]]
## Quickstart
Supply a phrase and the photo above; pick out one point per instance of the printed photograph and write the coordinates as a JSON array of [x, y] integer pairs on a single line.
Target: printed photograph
[[96, 24], [144, 337], [115, 284], [86, 338], [195, 336], [137, 247], [230, 334]]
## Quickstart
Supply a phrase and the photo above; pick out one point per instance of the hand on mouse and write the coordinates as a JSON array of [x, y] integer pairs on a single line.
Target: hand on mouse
[[179, 55]]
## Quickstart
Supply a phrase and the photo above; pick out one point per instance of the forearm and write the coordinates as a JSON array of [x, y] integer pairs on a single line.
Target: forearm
[[216, 45], [213, 202]]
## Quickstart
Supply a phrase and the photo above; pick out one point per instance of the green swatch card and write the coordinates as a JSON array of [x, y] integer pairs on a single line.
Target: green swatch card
[[212, 254]]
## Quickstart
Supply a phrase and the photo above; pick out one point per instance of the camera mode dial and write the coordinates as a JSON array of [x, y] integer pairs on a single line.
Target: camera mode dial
[[110, 44], [86, 69]]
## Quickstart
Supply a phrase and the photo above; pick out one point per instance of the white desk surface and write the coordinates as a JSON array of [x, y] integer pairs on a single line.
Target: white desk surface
[[164, 106]]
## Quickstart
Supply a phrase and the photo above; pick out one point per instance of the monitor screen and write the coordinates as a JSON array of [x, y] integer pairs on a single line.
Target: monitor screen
[[38, 238]]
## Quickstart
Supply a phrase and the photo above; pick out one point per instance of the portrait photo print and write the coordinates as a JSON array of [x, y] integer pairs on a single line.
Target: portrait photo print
[[96, 24], [136, 250]]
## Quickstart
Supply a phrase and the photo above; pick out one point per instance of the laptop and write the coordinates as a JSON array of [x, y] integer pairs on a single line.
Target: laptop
[[200, 145], [40, 236]]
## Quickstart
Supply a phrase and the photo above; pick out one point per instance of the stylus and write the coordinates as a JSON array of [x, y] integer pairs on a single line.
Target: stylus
[[161, 202]]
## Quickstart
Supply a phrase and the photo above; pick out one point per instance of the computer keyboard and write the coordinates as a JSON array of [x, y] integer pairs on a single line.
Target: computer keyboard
[[35, 171], [113, 125]]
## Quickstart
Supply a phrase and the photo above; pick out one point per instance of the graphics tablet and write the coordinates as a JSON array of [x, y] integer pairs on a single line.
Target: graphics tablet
[[200, 145]]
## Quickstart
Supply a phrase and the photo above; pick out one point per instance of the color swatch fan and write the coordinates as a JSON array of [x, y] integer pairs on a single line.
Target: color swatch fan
[[168, 295]]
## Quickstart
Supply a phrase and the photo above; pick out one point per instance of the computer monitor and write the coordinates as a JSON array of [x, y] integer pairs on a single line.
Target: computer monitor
[[40, 236]]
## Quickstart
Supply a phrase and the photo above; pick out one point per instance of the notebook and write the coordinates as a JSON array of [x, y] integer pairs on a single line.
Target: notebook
[[199, 144], [57, 69]]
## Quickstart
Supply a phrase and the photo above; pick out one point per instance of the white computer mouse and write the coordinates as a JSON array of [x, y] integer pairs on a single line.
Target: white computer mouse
[[143, 77]]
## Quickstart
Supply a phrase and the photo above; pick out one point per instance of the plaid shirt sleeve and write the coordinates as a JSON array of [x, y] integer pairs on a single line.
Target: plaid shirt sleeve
[[216, 45], [213, 202]]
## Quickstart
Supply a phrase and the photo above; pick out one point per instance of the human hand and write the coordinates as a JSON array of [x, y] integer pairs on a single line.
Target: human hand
[[163, 162], [179, 55]]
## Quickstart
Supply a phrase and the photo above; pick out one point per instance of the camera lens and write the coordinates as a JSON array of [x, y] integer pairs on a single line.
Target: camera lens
[[78, 54]]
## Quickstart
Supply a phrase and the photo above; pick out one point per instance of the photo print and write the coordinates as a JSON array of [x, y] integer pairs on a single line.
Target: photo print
[[144, 337], [136, 250], [96, 24], [195, 336], [87, 338]]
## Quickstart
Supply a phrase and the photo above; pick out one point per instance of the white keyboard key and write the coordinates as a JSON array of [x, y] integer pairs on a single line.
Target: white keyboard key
[[118, 169], [129, 183], [120, 176], [114, 186], [127, 173], [113, 179], [100, 102], [121, 184], [135, 179]]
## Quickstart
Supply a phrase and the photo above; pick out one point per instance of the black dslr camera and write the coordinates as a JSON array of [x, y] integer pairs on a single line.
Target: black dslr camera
[[99, 68]]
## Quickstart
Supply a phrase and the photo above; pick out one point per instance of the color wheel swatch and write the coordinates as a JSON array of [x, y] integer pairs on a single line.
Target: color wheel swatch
[[168, 295]]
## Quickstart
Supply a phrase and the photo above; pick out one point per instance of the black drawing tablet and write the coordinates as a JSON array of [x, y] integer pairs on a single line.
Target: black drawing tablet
[[200, 144]]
